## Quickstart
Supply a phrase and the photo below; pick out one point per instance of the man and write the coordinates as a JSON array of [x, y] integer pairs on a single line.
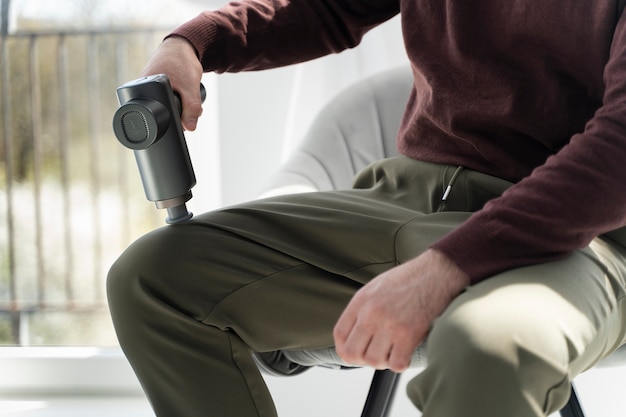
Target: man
[[516, 277]]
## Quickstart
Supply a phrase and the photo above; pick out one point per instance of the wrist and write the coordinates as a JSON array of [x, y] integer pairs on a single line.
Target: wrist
[[180, 43], [455, 278]]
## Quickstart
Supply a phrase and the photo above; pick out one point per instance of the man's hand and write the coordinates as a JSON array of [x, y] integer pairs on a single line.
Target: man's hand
[[177, 58], [388, 318]]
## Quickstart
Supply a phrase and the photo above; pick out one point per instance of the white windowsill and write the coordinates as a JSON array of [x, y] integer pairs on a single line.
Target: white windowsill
[[28, 371], [79, 381]]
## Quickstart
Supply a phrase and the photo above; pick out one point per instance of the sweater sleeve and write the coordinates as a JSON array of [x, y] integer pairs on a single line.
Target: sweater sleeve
[[577, 194], [260, 34]]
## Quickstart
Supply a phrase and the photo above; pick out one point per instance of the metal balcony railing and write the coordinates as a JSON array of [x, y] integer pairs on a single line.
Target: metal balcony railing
[[68, 190]]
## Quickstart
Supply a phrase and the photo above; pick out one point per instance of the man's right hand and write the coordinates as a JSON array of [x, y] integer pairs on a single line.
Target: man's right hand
[[177, 58]]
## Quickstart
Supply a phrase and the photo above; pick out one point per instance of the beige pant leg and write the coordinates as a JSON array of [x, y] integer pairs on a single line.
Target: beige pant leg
[[511, 345]]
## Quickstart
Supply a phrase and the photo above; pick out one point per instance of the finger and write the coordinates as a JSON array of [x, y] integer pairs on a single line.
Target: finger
[[342, 329], [192, 109], [404, 345], [351, 338], [400, 358], [188, 90], [378, 352], [354, 349]]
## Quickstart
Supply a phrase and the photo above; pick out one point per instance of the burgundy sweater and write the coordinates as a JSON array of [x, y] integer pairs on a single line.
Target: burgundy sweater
[[530, 91]]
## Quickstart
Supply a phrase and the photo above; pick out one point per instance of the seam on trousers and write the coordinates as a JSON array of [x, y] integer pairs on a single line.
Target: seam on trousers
[[205, 320], [242, 372], [399, 229], [344, 273], [395, 250], [566, 380], [215, 304], [395, 236], [619, 301], [351, 271]]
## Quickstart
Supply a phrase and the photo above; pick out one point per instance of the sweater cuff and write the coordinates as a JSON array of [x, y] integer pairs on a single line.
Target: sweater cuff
[[481, 252], [203, 34], [470, 255]]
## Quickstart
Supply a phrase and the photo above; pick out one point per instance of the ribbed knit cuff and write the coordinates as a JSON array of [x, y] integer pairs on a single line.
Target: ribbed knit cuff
[[473, 256], [481, 251], [203, 34]]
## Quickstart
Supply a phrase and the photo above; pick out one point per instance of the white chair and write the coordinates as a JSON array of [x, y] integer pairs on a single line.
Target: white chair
[[357, 127]]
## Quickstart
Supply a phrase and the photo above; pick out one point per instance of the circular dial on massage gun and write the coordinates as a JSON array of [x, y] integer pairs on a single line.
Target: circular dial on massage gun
[[139, 123]]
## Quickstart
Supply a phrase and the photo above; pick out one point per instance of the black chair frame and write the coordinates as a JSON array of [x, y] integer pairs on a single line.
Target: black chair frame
[[384, 383]]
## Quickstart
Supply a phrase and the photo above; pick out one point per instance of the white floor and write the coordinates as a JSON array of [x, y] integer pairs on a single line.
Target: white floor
[[336, 394]]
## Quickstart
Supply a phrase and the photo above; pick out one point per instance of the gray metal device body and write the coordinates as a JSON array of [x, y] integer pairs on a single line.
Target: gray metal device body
[[148, 122]]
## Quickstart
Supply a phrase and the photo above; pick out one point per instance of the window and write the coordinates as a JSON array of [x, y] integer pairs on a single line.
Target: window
[[68, 190]]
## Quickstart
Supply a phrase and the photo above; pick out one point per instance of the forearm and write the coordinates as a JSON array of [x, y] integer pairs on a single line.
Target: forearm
[[255, 34], [578, 194]]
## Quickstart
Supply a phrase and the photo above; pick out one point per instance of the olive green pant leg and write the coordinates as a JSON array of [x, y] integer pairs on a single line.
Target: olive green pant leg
[[190, 301], [511, 345], [158, 301]]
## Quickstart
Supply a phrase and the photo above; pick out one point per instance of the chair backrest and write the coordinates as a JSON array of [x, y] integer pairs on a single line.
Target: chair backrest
[[357, 127]]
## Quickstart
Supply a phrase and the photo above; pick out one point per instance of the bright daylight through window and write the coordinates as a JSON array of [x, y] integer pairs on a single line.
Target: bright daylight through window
[[66, 209]]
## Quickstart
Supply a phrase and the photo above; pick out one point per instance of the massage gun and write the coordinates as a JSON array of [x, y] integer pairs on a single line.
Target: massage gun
[[148, 122]]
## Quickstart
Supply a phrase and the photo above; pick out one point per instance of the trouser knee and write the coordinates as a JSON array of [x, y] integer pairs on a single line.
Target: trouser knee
[[140, 275], [488, 364]]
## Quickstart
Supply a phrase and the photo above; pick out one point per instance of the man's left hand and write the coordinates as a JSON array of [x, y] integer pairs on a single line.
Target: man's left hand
[[390, 317]]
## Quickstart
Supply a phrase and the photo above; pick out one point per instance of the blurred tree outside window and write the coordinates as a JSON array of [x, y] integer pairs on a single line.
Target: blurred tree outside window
[[70, 197]]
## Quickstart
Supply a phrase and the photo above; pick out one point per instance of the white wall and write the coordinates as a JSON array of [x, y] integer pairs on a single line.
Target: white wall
[[252, 120]]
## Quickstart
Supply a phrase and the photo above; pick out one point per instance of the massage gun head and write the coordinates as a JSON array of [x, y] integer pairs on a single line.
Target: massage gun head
[[148, 122]]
